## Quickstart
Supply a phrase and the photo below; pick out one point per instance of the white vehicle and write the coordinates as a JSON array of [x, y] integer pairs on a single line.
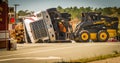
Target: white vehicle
[[35, 27], [28, 30]]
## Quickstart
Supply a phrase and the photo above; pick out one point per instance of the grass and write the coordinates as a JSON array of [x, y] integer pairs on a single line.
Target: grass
[[96, 58], [102, 57]]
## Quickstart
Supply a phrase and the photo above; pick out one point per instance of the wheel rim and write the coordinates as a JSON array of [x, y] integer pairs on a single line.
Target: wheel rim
[[103, 36], [84, 36]]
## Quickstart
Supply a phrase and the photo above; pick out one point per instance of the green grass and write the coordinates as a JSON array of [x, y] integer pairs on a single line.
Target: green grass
[[84, 60], [102, 57]]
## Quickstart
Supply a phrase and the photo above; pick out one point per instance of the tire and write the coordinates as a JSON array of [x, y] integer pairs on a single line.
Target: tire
[[102, 36], [84, 36]]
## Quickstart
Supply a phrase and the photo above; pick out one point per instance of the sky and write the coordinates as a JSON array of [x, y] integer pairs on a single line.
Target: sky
[[40, 5]]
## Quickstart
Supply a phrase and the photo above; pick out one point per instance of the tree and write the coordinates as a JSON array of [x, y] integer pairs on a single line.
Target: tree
[[107, 11], [24, 13], [59, 8], [88, 9], [21, 13]]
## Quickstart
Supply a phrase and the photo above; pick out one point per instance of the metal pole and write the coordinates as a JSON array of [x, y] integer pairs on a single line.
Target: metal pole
[[15, 11]]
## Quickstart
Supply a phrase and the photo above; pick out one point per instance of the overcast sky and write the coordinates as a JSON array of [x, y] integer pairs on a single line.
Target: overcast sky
[[38, 5]]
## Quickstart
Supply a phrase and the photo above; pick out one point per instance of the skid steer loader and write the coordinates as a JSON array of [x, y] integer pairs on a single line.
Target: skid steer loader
[[96, 27]]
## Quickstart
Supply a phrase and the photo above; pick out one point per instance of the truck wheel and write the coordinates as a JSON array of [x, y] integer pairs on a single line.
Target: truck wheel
[[84, 36], [102, 36]]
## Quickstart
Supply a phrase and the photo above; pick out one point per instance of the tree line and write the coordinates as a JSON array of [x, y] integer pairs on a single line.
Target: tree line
[[76, 12]]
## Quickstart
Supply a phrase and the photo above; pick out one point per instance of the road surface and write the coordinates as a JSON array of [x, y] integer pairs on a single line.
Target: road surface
[[56, 52]]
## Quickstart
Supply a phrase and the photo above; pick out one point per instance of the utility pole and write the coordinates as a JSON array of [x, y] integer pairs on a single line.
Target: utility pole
[[16, 11]]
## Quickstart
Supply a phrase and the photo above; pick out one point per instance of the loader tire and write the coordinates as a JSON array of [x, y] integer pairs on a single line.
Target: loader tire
[[102, 36], [84, 36]]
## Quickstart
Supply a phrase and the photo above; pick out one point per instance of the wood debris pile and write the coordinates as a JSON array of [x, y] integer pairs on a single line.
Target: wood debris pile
[[17, 33]]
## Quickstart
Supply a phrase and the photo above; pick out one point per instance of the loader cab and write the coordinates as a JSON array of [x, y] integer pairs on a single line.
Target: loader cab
[[91, 16]]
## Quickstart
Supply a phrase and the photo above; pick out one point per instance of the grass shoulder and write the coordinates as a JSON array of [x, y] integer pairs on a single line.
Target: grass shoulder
[[96, 58]]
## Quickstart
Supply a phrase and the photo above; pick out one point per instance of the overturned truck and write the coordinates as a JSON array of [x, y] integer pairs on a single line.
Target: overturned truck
[[51, 26]]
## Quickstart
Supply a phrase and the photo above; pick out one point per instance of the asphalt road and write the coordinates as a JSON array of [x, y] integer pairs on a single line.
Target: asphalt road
[[56, 52]]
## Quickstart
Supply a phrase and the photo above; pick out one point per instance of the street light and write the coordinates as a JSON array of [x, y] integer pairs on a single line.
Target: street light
[[15, 11]]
